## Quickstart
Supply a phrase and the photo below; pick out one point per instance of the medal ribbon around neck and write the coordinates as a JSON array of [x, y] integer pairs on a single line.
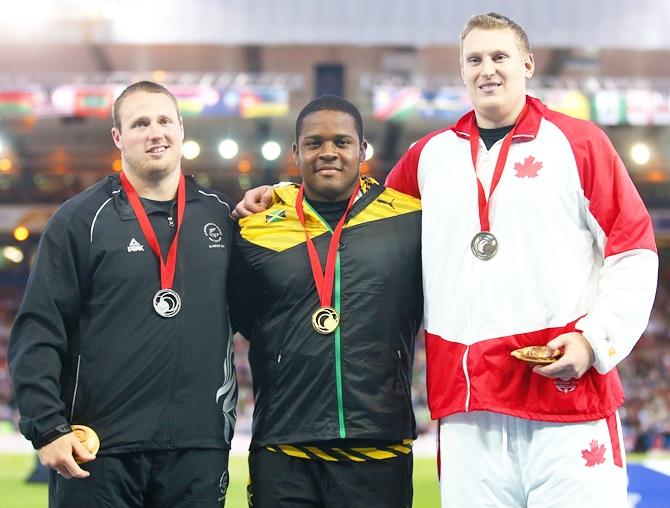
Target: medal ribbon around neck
[[167, 268], [324, 281], [497, 173]]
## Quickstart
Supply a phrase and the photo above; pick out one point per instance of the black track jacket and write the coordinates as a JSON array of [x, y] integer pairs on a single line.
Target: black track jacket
[[87, 346]]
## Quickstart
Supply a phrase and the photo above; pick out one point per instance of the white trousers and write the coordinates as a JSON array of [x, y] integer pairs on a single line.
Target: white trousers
[[494, 460]]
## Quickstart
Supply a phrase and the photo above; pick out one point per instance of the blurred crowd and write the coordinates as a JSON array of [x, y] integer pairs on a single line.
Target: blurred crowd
[[645, 416], [645, 374], [10, 298]]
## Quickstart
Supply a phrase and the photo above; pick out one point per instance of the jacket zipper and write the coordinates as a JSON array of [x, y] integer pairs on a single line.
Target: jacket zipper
[[467, 379], [338, 356], [337, 339], [176, 371], [76, 385]]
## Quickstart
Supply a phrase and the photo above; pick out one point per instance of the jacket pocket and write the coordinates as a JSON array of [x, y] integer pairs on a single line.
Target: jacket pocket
[[404, 381]]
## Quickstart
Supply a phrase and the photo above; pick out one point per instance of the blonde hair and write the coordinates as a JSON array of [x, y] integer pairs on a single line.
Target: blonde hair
[[495, 21], [139, 86]]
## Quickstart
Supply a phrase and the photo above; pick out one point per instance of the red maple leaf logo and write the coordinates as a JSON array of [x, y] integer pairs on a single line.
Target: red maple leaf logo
[[529, 167], [594, 456]]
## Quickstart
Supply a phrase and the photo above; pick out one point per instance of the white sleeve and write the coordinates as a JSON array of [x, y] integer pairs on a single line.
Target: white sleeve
[[621, 311]]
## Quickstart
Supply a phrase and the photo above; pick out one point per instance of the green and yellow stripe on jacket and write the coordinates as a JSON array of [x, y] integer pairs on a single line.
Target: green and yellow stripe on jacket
[[354, 383]]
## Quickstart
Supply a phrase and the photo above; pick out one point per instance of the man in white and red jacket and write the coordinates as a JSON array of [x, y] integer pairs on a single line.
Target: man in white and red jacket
[[533, 234]]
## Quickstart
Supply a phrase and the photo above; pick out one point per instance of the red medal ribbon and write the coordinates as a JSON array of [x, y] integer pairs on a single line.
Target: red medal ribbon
[[497, 173], [324, 281], [167, 269]]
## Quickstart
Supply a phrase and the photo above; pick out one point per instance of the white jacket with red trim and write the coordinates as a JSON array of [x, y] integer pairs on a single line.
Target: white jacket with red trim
[[576, 251]]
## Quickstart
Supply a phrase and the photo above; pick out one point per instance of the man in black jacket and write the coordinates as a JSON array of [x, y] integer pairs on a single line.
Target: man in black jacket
[[332, 271], [124, 328]]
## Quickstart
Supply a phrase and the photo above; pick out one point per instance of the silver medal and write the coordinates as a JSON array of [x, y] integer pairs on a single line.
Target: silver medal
[[167, 303], [484, 245]]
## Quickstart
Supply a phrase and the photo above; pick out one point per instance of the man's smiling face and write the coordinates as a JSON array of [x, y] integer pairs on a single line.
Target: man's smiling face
[[494, 69]]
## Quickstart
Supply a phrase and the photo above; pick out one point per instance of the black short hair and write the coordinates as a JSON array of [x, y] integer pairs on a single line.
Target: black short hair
[[330, 103]]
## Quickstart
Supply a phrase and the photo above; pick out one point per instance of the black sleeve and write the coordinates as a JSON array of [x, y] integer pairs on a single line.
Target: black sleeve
[[243, 291], [38, 342]]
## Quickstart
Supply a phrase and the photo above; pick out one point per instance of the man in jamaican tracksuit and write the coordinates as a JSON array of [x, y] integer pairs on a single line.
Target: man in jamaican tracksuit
[[332, 277]]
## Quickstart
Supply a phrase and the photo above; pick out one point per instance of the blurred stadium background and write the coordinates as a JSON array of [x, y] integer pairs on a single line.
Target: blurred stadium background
[[242, 69]]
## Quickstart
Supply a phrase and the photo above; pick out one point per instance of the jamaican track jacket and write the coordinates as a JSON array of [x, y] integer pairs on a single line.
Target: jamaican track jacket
[[351, 384]]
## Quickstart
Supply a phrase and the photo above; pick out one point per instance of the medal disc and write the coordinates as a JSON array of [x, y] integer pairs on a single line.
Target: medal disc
[[167, 303], [484, 245], [325, 320]]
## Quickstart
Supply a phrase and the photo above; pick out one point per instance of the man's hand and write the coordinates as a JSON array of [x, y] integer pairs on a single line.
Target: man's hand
[[254, 201], [60, 455], [577, 357]]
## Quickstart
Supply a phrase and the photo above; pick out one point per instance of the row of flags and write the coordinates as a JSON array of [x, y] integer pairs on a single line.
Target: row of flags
[[389, 103], [605, 107], [97, 101]]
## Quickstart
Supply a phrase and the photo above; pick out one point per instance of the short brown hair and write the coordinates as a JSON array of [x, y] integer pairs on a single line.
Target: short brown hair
[[495, 21], [139, 86]]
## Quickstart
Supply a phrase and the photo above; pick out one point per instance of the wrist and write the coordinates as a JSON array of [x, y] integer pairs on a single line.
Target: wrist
[[51, 435], [604, 353]]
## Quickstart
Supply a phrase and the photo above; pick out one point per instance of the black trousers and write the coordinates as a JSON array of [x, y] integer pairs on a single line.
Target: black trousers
[[279, 481], [151, 479]]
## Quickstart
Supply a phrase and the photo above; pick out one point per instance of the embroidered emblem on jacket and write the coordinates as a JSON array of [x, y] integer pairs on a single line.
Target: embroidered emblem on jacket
[[275, 216], [528, 168], [213, 232], [565, 386], [390, 203], [214, 235], [135, 246]]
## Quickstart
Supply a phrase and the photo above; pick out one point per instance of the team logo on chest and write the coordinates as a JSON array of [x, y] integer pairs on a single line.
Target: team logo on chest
[[275, 216], [135, 246], [214, 235], [528, 168]]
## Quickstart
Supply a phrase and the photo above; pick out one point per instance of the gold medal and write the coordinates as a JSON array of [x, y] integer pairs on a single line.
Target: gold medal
[[87, 437], [325, 320]]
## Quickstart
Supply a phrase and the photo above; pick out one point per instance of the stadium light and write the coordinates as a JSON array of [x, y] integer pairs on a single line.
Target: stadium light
[[228, 148], [111, 10], [14, 254], [640, 153], [28, 14], [369, 152], [271, 150], [190, 149], [244, 166], [21, 233]]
